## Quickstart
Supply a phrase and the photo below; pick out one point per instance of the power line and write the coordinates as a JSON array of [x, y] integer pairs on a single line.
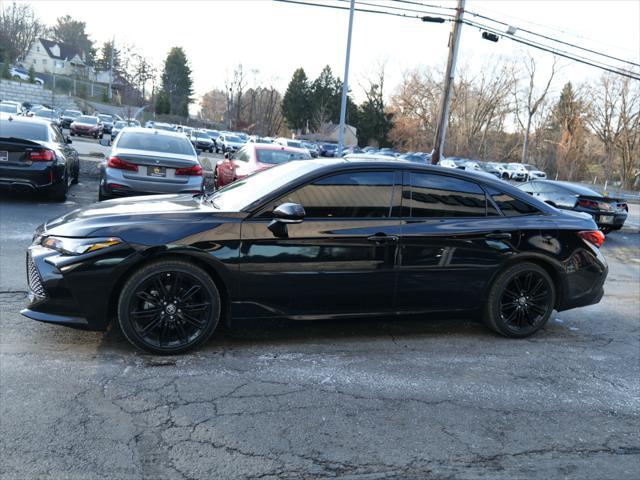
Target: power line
[[559, 53], [404, 9], [426, 5], [551, 38], [528, 42]]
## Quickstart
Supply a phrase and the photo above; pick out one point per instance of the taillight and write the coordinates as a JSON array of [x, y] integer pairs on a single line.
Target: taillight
[[115, 162], [195, 171], [588, 204], [594, 237], [41, 156]]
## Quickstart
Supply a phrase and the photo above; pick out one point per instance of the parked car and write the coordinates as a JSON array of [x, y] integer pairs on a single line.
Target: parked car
[[164, 127], [35, 156], [149, 124], [370, 149], [19, 73], [608, 213], [497, 169], [517, 172], [228, 143], [213, 135], [328, 149], [418, 157], [252, 158], [389, 152], [348, 151], [107, 122], [50, 115], [87, 125], [315, 240], [119, 125], [146, 161], [534, 172], [201, 141], [312, 148], [258, 139], [12, 108], [447, 163], [69, 116]]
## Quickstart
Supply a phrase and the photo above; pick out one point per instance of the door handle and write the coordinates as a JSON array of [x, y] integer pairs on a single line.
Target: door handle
[[382, 239], [498, 236]]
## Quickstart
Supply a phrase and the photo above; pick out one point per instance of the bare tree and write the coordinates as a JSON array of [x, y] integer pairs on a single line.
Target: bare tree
[[528, 99], [19, 27]]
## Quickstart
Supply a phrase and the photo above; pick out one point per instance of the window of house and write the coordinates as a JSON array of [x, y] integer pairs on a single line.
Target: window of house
[[44, 61], [429, 195]]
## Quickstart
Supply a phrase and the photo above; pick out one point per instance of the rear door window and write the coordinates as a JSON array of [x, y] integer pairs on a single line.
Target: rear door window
[[511, 206], [428, 195]]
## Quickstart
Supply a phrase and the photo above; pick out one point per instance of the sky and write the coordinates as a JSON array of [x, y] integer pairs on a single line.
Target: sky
[[272, 39]]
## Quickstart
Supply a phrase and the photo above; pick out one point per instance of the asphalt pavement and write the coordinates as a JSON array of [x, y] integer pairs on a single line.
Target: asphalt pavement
[[417, 397]]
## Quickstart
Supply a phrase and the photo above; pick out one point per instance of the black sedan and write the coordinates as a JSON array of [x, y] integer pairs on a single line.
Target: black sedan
[[315, 239], [608, 213], [35, 156]]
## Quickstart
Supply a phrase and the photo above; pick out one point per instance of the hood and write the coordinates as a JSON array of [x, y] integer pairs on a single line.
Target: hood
[[158, 215]]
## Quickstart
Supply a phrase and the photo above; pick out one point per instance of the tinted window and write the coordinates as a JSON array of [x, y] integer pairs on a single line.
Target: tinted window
[[431, 195], [275, 157], [510, 206], [231, 138], [529, 188], [56, 135], [242, 155], [155, 142], [26, 130], [347, 195]]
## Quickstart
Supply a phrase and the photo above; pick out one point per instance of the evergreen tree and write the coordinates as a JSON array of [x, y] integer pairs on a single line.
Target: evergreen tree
[[176, 82], [6, 70], [325, 98], [162, 106], [107, 51], [373, 123], [32, 74], [296, 105], [73, 32]]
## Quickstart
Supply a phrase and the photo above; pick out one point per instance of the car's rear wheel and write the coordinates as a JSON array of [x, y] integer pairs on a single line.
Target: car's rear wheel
[[521, 300], [169, 307], [58, 193]]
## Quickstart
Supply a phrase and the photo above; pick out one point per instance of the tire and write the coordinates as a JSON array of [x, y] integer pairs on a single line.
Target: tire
[[58, 193], [152, 309], [211, 150], [72, 134], [518, 314], [76, 174]]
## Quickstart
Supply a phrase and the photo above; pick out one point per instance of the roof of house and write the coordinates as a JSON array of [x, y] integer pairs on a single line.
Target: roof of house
[[67, 52]]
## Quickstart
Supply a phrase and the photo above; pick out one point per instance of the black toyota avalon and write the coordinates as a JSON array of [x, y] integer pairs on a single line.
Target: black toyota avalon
[[315, 239]]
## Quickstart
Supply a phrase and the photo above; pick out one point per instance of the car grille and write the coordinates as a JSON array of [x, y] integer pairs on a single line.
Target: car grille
[[33, 278]]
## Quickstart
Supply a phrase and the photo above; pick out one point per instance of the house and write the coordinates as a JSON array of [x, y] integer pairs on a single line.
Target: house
[[329, 132], [48, 56]]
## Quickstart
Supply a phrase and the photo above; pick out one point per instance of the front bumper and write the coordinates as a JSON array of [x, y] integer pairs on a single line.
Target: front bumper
[[76, 295]]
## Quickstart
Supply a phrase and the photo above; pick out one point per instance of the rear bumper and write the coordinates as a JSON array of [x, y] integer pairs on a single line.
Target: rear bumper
[[114, 183], [586, 271], [34, 177]]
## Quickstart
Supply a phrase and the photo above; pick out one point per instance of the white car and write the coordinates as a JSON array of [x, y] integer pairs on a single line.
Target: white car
[[447, 163], [534, 173], [22, 74], [228, 143], [517, 172]]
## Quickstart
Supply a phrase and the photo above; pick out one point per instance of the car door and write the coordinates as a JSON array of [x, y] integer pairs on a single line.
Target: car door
[[339, 260], [452, 241]]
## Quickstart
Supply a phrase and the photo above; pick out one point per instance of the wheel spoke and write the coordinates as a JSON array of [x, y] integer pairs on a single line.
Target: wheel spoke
[[190, 293], [511, 317], [152, 325], [516, 282], [192, 320], [175, 283], [142, 314], [511, 293], [537, 309], [181, 333], [161, 287], [196, 307], [147, 297], [163, 333], [536, 287]]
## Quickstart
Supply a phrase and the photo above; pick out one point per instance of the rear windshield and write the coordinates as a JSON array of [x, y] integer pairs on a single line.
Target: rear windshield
[[155, 142], [85, 119], [46, 114], [294, 144], [276, 157], [5, 107], [72, 113], [27, 130]]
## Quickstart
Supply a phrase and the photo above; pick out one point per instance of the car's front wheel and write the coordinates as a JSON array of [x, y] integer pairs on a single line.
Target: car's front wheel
[[520, 301], [169, 307]]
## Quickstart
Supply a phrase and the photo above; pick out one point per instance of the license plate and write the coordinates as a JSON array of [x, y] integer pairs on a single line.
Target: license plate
[[4, 156], [606, 219], [157, 171]]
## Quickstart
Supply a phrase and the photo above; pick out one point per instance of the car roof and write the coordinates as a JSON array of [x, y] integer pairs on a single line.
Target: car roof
[[275, 146], [579, 189], [13, 118]]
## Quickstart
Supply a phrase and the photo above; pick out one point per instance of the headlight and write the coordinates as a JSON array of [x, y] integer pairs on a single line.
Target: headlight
[[78, 246]]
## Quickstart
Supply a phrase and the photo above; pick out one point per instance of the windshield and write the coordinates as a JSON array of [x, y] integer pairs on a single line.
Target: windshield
[[231, 138], [105, 118], [276, 157], [119, 124], [91, 120], [155, 142], [46, 114], [242, 193], [5, 107], [72, 113]]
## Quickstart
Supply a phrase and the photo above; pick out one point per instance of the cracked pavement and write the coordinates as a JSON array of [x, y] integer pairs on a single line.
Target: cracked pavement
[[403, 398]]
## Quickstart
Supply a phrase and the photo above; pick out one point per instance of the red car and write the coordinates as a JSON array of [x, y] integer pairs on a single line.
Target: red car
[[88, 125], [254, 157]]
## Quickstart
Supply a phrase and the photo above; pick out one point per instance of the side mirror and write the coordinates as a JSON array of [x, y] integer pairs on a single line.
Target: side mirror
[[68, 139], [289, 213]]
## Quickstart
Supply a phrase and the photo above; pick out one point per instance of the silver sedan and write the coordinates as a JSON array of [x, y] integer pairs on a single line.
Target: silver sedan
[[148, 161]]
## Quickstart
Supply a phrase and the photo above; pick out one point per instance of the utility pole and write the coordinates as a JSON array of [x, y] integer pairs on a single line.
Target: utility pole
[[113, 50], [454, 42], [345, 84]]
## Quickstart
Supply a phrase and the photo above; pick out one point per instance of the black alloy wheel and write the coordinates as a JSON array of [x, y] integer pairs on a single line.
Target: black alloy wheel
[[520, 301], [169, 307]]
